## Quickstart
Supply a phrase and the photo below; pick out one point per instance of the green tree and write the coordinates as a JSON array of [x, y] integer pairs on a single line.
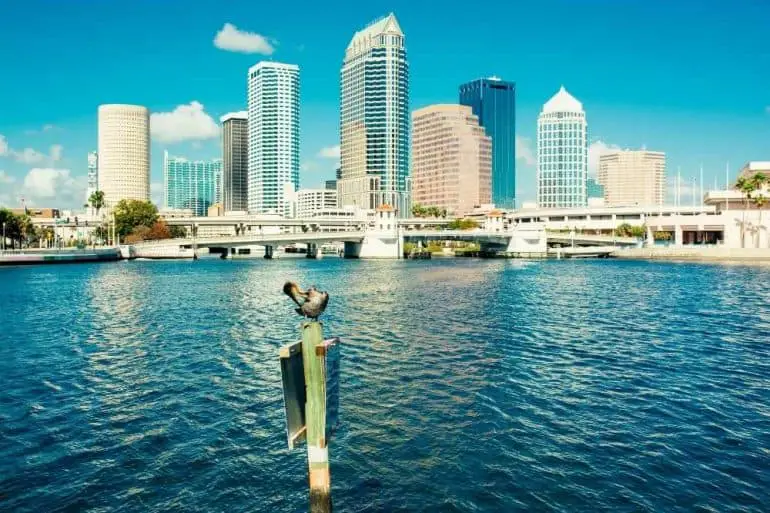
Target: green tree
[[130, 214], [18, 228], [138, 234], [7, 225], [462, 224], [97, 201], [100, 233], [418, 210], [746, 186], [177, 232], [431, 211], [629, 230]]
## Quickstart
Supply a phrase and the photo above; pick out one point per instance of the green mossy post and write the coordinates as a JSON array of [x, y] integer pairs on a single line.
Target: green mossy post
[[315, 418]]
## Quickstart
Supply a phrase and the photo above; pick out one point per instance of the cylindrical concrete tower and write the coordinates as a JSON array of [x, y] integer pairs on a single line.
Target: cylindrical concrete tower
[[124, 152]]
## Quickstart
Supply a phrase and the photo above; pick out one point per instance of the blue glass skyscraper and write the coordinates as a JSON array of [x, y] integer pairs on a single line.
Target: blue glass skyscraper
[[494, 102], [191, 184]]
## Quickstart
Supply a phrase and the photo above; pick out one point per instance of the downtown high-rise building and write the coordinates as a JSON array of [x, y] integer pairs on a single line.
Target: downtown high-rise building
[[124, 153], [235, 165], [93, 174], [633, 177], [191, 184], [374, 119], [273, 136], [494, 102], [562, 153], [451, 159]]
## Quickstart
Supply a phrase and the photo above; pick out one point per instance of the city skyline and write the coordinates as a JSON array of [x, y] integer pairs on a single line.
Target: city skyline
[[43, 152]]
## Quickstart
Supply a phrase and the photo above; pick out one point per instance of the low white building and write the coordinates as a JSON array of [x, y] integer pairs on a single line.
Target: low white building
[[310, 201]]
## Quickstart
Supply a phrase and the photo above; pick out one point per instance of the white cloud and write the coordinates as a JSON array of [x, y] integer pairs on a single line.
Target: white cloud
[[5, 177], [308, 165], [53, 186], [28, 156], [231, 39], [56, 152], [524, 151], [186, 122], [44, 128], [595, 150], [330, 152], [156, 193]]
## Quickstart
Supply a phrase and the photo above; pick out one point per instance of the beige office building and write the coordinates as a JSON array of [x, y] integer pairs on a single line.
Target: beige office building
[[124, 152], [633, 177], [451, 159]]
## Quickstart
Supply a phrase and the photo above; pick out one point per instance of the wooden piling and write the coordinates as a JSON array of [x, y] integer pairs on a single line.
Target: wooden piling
[[315, 418]]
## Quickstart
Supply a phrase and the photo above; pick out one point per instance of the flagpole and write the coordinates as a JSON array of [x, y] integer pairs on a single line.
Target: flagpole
[[701, 184], [727, 184], [693, 192], [678, 185]]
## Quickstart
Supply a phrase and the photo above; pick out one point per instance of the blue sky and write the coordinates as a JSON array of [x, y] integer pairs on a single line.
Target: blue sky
[[691, 78]]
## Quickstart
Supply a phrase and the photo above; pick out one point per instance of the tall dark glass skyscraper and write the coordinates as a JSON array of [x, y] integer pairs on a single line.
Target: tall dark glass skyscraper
[[494, 102]]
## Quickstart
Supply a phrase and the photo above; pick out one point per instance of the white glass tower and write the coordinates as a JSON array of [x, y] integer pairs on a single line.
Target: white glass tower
[[273, 132], [562, 153], [374, 119], [124, 153], [93, 174]]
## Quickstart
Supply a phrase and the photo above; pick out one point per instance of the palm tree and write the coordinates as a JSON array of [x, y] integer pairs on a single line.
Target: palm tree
[[746, 186], [96, 200], [758, 182], [26, 228]]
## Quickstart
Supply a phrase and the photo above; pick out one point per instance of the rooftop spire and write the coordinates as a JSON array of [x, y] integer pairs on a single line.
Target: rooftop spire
[[562, 101]]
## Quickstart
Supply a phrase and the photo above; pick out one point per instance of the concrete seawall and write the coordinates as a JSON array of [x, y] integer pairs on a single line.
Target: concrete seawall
[[59, 256], [696, 253]]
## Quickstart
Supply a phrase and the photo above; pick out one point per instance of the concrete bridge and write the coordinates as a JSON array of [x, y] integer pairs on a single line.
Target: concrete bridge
[[385, 238]]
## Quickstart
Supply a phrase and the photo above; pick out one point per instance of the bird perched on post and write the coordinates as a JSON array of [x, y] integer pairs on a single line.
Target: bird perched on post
[[311, 303]]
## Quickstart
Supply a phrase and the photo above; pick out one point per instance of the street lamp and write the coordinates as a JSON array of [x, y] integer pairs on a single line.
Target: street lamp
[[3, 235]]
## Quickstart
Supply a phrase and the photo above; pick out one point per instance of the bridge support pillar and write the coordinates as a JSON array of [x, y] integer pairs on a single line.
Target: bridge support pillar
[[269, 252], [313, 251], [531, 240], [388, 244], [352, 249]]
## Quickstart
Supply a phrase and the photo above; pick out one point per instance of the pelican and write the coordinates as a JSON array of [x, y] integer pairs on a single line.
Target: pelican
[[311, 303]]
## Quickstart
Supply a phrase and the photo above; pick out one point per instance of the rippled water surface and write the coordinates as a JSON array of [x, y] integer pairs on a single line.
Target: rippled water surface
[[468, 385]]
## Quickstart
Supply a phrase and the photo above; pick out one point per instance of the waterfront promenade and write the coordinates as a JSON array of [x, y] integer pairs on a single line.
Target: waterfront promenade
[[468, 385]]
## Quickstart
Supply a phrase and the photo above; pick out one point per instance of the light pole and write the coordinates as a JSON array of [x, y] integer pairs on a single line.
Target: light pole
[[3, 235]]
